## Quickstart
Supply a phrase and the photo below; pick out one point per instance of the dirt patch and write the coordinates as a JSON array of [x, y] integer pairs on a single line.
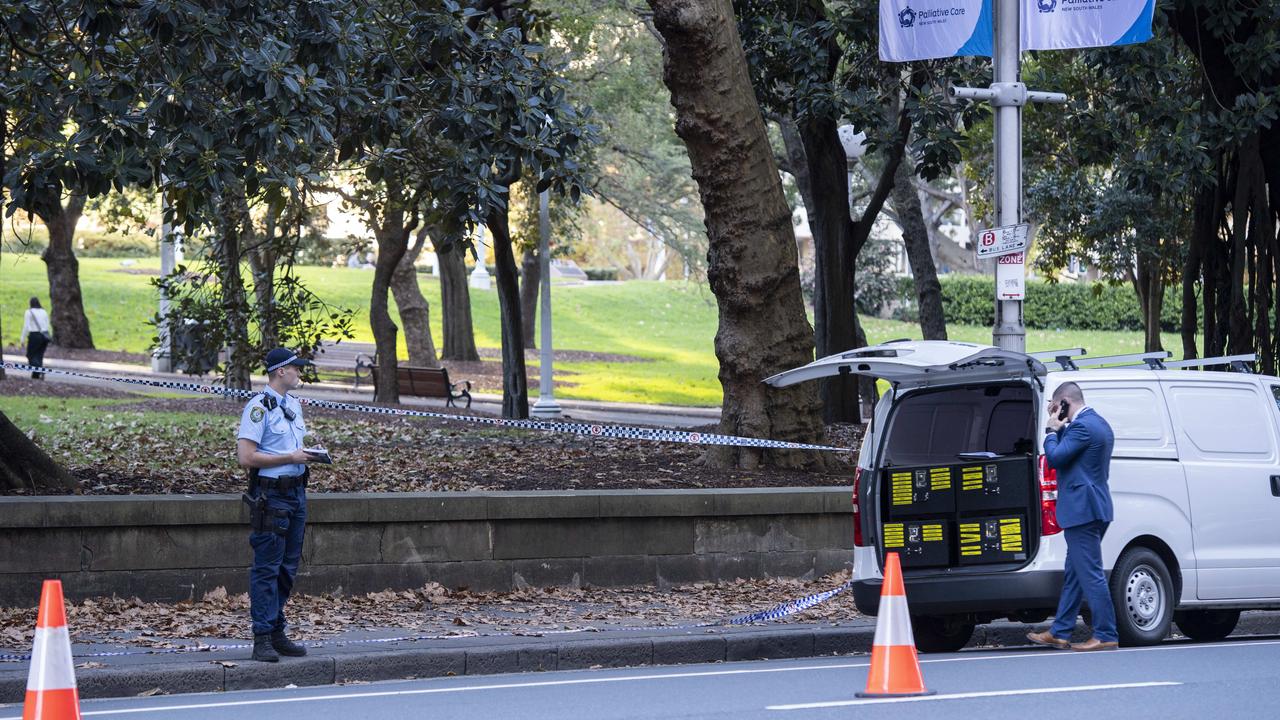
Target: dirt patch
[[126, 451], [21, 384], [108, 356]]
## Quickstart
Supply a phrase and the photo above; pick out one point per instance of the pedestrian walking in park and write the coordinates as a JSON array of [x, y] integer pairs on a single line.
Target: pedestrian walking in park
[[1078, 445], [270, 445], [36, 335]]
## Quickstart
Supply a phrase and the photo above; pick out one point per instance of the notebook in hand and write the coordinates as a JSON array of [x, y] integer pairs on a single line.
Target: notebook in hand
[[320, 454]]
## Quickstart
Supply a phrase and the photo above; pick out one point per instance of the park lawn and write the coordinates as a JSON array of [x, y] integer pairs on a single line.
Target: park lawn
[[671, 326]]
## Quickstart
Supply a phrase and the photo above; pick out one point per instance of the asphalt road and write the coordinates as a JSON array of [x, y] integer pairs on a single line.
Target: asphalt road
[[1233, 679]]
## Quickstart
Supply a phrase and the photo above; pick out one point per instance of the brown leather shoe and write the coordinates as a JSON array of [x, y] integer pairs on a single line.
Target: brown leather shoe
[[1047, 639], [1094, 644]]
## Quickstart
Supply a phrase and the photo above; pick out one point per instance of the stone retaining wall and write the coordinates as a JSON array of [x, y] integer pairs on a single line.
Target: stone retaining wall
[[170, 548]]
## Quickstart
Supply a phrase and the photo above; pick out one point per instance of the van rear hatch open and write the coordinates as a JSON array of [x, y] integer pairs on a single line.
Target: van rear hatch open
[[920, 363], [955, 487], [955, 478]]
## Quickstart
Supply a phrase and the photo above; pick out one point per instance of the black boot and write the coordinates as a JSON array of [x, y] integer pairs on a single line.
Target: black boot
[[285, 646], [262, 650]]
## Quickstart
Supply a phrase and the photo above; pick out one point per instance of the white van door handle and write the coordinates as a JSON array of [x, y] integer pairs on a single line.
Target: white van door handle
[[1275, 485]]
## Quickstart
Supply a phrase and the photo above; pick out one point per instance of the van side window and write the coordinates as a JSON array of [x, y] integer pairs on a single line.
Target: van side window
[[1134, 412], [1275, 390], [1223, 421]]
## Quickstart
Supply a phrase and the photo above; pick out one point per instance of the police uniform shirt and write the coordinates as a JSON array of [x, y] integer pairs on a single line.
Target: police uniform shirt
[[273, 432]]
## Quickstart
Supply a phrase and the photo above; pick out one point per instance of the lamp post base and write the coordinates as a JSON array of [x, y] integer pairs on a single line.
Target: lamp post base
[[545, 408]]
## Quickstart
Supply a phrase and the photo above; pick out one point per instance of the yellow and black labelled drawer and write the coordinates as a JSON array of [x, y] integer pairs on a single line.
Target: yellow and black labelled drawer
[[916, 491], [996, 486], [1001, 538], [919, 543]]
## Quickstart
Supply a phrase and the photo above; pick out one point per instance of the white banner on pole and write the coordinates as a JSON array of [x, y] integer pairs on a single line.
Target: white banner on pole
[[1062, 24], [928, 29]]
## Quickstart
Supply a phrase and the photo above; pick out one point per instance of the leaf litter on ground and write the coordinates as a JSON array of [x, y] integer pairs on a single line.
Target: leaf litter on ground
[[433, 610], [172, 445]]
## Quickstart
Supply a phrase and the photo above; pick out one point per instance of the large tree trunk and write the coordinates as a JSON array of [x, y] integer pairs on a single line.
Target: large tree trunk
[[824, 189], [515, 382], [233, 225], [1148, 283], [66, 314], [4, 164], [455, 305], [752, 252], [262, 266], [530, 276], [915, 234], [392, 240], [24, 466], [1239, 258], [1201, 227], [415, 313]]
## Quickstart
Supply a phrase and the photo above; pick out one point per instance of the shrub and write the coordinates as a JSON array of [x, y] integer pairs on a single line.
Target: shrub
[[115, 245], [601, 273], [970, 300]]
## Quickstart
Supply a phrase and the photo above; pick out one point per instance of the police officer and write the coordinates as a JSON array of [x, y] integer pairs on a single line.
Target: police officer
[[270, 445]]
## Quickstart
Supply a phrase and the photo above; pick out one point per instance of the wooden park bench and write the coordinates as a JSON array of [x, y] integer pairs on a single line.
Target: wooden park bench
[[420, 381]]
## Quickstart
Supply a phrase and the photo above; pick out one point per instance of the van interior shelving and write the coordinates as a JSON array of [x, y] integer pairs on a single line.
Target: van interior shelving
[[957, 471]]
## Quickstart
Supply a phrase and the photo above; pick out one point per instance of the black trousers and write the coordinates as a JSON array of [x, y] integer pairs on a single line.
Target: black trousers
[[36, 344]]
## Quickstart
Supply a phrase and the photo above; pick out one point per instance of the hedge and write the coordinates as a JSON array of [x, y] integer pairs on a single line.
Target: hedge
[[86, 244], [601, 273], [969, 300]]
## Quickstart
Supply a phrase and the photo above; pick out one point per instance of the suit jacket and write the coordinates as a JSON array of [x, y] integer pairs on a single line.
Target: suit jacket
[[1081, 453]]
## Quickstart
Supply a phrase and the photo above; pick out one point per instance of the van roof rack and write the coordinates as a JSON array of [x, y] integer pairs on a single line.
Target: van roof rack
[[1234, 363], [1070, 363], [1062, 357]]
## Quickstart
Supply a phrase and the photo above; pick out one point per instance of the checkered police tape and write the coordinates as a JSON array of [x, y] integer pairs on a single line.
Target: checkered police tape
[[776, 612], [790, 607], [594, 430]]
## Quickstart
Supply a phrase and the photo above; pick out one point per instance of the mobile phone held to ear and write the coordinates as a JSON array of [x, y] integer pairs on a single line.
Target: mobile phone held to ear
[[1063, 411]]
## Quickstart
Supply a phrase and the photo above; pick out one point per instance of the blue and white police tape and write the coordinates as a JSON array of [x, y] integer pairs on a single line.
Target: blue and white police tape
[[593, 430], [790, 607], [776, 612]]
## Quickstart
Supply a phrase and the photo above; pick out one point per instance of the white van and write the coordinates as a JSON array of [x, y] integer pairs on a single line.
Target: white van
[[951, 477]]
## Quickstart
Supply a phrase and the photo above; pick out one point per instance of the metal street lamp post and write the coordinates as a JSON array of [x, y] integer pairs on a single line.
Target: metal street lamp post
[[1008, 94], [546, 405]]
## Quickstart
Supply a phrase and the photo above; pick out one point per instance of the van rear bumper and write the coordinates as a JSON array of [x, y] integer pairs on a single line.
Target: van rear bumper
[[988, 593]]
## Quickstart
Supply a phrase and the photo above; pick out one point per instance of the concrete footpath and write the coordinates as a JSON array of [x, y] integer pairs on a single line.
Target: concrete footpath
[[366, 656]]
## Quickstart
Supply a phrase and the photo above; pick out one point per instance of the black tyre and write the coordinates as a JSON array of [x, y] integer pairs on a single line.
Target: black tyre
[[1206, 625], [941, 633], [1143, 595]]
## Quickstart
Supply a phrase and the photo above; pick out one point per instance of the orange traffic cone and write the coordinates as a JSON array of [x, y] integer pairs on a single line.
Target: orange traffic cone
[[895, 669], [51, 685]]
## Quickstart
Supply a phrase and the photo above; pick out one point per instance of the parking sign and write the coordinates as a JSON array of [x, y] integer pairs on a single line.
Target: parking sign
[[1003, 240]]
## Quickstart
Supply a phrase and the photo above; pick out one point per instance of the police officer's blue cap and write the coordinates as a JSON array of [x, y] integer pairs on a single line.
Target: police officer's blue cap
[[280, 357]]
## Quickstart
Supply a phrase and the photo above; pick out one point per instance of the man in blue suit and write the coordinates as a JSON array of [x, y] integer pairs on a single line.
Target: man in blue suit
[[1078, 444]]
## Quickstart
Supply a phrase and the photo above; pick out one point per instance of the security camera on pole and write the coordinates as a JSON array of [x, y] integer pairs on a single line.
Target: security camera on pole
[[929, 29]]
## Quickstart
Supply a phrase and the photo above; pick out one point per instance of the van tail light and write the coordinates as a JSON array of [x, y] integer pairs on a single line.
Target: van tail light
[[857, 509], [1048, 499]]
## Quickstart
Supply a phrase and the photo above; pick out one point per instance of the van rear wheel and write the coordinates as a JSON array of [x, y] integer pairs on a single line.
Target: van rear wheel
[[941, 633], [1206, 625], [1143, 596]]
